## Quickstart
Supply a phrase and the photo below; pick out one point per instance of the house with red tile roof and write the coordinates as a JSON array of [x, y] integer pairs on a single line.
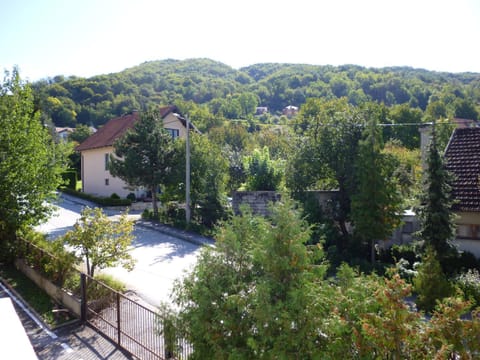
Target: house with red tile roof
[[95, 152], [463, 161]]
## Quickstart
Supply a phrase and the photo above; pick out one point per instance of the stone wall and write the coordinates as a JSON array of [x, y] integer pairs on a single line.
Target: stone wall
[[258, 201]]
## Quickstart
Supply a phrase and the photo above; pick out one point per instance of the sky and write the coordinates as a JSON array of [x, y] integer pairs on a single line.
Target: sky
[[45, 38]]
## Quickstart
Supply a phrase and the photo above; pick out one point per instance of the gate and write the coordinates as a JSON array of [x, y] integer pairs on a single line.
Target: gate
[[129, 324]]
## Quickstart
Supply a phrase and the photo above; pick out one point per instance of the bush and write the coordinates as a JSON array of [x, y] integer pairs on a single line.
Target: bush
[[431, 283], [101, 201], [458, 263], [111, 282], [114, 196], [132, 197], [70, 179], [49, 257], [469, 283]]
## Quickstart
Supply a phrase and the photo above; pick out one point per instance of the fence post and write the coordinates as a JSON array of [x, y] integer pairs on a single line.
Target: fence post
[[118, 317], [83, 303]]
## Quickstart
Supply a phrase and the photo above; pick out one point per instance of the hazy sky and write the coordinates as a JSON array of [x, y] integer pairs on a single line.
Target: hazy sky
[[89, 37]]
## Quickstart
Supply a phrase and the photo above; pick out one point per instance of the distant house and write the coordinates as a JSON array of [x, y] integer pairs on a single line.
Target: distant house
[[63, 132], [290, 111], [96, 149], [260, 110], [463, 160]]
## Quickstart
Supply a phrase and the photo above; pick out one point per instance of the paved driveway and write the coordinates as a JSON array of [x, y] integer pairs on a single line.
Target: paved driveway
[[160, 258]]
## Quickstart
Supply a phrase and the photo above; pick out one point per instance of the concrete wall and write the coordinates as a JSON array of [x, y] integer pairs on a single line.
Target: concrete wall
[[61, 296], [258, 201]]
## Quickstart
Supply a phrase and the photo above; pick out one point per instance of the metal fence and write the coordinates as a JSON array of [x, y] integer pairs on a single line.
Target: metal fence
[[132, 326]]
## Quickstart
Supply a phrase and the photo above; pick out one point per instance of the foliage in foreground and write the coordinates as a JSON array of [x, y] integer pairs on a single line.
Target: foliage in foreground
[[31, 163], [262, 293]]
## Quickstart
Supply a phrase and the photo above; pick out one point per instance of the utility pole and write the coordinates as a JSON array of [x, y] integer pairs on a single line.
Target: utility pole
[[187, 173]]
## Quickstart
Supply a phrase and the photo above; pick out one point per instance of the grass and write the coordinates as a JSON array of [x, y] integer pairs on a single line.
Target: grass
[[33, 295]]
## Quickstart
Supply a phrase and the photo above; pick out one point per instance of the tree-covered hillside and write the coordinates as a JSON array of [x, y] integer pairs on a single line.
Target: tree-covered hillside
[[229, 93]]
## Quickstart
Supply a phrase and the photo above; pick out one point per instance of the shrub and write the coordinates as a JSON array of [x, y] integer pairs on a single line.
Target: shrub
[[132, 197], [111, 282], [114, 196], [469, 283], [262, 172], [70, 179], [431, 283], [49, 257], [102, 201]]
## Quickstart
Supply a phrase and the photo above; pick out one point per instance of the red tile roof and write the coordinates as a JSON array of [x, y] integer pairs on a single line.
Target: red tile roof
[[116, 127], [108, 133], [463, 160]]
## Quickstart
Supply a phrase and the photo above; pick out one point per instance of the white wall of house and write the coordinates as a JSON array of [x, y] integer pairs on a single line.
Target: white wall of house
[[96, 179], [468, 232], [171, 122]]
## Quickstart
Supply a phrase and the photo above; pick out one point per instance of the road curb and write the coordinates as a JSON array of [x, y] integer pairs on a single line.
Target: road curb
[[189, 237]]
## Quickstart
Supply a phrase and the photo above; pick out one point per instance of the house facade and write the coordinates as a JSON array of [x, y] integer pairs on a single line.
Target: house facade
[[463, 161], [95, 152]]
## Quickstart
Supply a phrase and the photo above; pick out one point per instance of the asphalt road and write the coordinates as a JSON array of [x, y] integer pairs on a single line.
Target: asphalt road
[[160, 258]]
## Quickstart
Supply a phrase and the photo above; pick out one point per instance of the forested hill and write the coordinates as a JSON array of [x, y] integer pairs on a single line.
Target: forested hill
[[235, 93]]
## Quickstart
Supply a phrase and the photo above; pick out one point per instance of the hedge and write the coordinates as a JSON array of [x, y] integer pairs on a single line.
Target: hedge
[[102, 201]]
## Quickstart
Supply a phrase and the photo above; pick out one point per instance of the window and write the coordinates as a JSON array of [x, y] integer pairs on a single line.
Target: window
[[107, 182], [468, 231], [107, 160], [174, 133]]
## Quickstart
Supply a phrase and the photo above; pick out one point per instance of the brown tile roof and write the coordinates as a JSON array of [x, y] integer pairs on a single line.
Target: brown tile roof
[[463, 160], [116, 127], [108, 133]]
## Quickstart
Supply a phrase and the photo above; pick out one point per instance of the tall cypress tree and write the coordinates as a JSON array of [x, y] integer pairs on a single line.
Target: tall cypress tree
[[376, 207], [437, 226]]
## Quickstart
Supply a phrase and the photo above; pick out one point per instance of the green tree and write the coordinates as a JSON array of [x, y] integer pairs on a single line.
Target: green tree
[[144, 155], [251, 295], [376, 210], [262, 172], [326, 154], [31, 163], [437, 225], [430, 283], [102, 242], [465, 109], [208, 179], [80, 133], [248, 103], [404, 117]]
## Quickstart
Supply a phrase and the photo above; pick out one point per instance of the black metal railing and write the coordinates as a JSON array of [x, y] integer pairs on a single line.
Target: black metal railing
[[132, 326]]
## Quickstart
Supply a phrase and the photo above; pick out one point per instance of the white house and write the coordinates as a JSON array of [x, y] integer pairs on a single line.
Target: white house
[[96, 149]]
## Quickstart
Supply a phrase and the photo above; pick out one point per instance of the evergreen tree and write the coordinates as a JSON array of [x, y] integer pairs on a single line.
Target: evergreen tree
[[144, 155], [251, 296], [376, 207], [431, 283], [437, 226]]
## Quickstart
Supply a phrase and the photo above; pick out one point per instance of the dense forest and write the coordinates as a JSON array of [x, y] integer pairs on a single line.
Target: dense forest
[[211, 90]]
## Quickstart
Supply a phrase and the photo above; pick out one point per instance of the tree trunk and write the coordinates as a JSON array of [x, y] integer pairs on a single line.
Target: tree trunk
[[154, 201], [372, 252], [87, 262]]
